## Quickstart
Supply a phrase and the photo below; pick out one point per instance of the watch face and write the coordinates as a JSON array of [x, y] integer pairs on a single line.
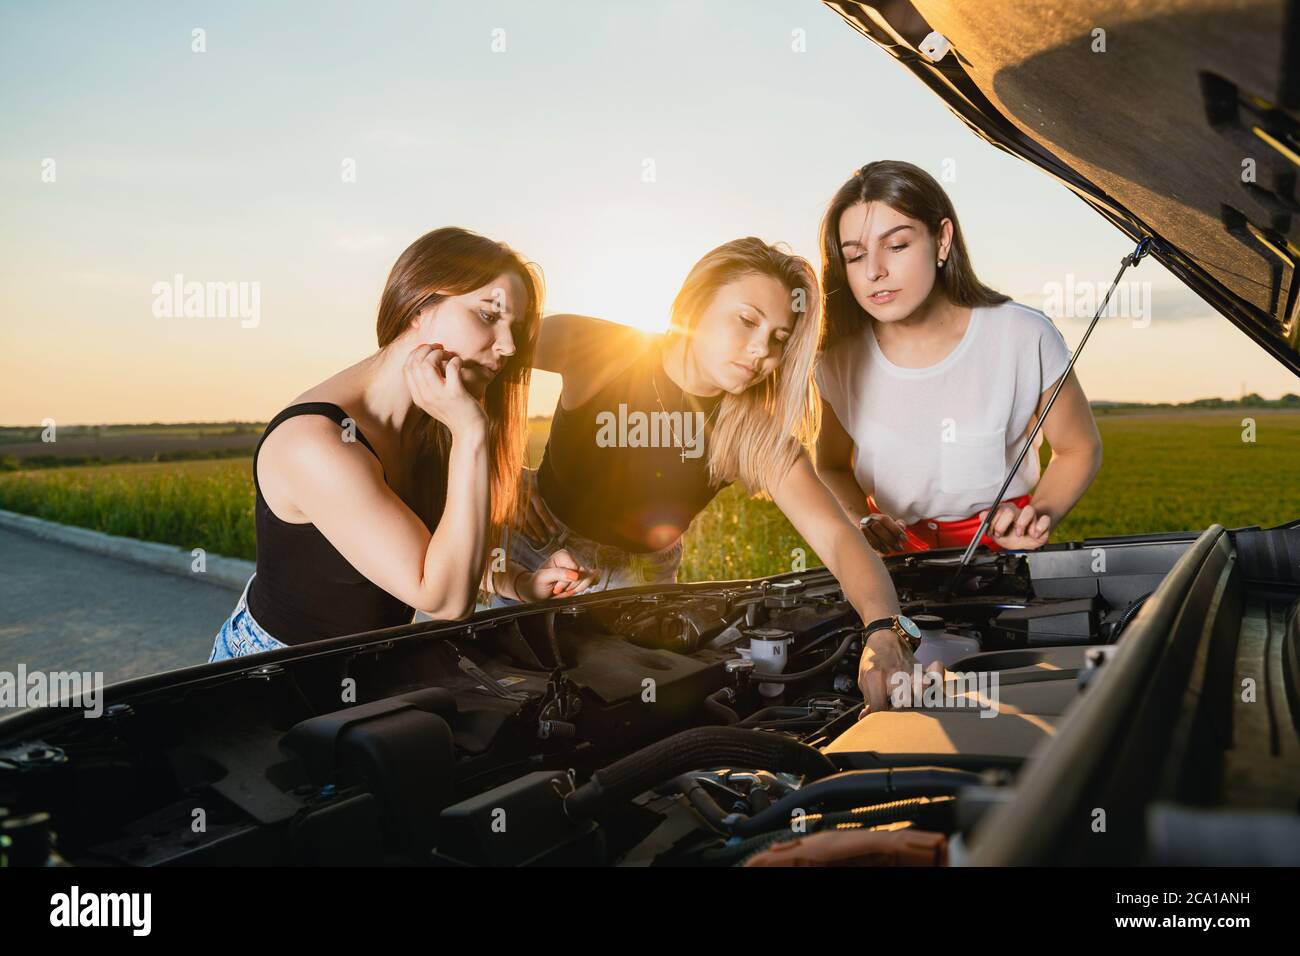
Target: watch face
[[907, 624]]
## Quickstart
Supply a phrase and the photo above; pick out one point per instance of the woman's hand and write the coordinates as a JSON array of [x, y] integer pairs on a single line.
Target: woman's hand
[[885, 534], [434, 379], [884, 656], [1019, 529], [537, 519], [560, 576]]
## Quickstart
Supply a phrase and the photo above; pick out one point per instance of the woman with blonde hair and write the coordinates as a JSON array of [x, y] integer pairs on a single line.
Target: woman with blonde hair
[[382, 489], [649, 428]]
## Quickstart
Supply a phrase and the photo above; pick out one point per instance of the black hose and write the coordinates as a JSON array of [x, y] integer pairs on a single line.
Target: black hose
[[716, 705], [836, 656], [1128, 615], [780, 712], [776, 713], [702, 801], [856, 785], [696, 749], [814, 644]]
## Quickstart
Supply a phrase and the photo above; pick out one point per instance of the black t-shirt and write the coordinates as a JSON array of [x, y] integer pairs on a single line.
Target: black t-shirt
[[630, 466]]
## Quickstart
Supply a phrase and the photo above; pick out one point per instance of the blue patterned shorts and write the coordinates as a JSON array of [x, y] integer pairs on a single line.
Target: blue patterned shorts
[[241, 635]]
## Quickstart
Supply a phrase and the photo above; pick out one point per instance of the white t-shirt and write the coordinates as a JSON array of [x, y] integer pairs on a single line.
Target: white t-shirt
[[936, 442]]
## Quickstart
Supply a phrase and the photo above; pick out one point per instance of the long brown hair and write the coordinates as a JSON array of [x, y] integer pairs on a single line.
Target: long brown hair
[[760, 431], [447, 262], [916, 194]]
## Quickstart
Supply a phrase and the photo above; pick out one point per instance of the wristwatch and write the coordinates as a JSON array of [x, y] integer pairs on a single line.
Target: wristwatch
[[901, 625]]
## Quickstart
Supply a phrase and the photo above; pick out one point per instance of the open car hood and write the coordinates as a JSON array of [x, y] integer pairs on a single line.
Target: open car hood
[[1185, 128]]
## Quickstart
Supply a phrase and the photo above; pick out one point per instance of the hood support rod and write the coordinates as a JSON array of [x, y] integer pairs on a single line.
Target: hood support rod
[[1143, 247]]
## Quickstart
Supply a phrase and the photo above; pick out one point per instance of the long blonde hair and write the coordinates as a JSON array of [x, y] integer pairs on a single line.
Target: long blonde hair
[[453, 261], [760, 432]]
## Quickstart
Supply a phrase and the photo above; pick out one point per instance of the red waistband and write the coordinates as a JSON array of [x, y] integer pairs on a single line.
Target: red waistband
[[929, 533]]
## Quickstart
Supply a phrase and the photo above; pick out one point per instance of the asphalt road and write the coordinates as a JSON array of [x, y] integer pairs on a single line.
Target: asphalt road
[[63, 608]]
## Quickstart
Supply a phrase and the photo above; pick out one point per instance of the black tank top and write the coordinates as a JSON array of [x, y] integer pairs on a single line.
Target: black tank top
[[614, 469], [305, 590]]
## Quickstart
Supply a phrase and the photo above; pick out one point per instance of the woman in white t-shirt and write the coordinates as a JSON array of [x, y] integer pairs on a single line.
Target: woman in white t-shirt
[[931, 381]]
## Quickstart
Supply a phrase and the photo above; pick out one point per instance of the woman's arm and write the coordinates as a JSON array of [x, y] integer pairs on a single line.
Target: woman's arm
[[1076, 452], [835, 465], [816, 515], [835, 451], [339, 486], [587, 353], [1076, 458]]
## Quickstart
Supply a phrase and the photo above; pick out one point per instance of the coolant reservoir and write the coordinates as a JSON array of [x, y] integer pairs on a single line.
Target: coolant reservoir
[[768, 648], [940, 644]]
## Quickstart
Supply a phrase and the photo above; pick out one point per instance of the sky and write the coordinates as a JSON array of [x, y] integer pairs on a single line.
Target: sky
[[297, 148]]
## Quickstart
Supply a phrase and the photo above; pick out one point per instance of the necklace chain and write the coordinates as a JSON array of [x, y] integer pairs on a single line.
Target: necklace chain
[[654, 381]]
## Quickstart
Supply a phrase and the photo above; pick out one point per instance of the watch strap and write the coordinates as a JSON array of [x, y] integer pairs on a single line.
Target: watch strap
[[891, 623]]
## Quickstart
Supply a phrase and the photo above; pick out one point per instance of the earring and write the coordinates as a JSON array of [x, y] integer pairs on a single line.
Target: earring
[[939, 263]]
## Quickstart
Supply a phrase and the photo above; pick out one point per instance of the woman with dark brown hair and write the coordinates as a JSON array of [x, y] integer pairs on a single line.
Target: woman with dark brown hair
[[931, 380], [382, 489]]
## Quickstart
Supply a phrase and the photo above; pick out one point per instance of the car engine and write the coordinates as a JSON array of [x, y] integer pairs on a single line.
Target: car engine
[[704, 724]]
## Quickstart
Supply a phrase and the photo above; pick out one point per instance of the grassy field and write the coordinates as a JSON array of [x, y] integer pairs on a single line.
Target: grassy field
[[1186, 470], [195, 504], [1162, 472], [23, 448]]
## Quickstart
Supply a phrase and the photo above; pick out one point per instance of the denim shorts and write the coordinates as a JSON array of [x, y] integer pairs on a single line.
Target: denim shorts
[[241, 635], [618, 568]]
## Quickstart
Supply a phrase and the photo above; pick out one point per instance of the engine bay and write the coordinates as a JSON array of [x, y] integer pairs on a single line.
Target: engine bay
[[706, 724]]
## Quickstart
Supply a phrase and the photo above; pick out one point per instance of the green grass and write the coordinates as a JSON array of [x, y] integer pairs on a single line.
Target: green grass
[[1165, 472], [1183, 471], [194, 504], [739, 537]]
